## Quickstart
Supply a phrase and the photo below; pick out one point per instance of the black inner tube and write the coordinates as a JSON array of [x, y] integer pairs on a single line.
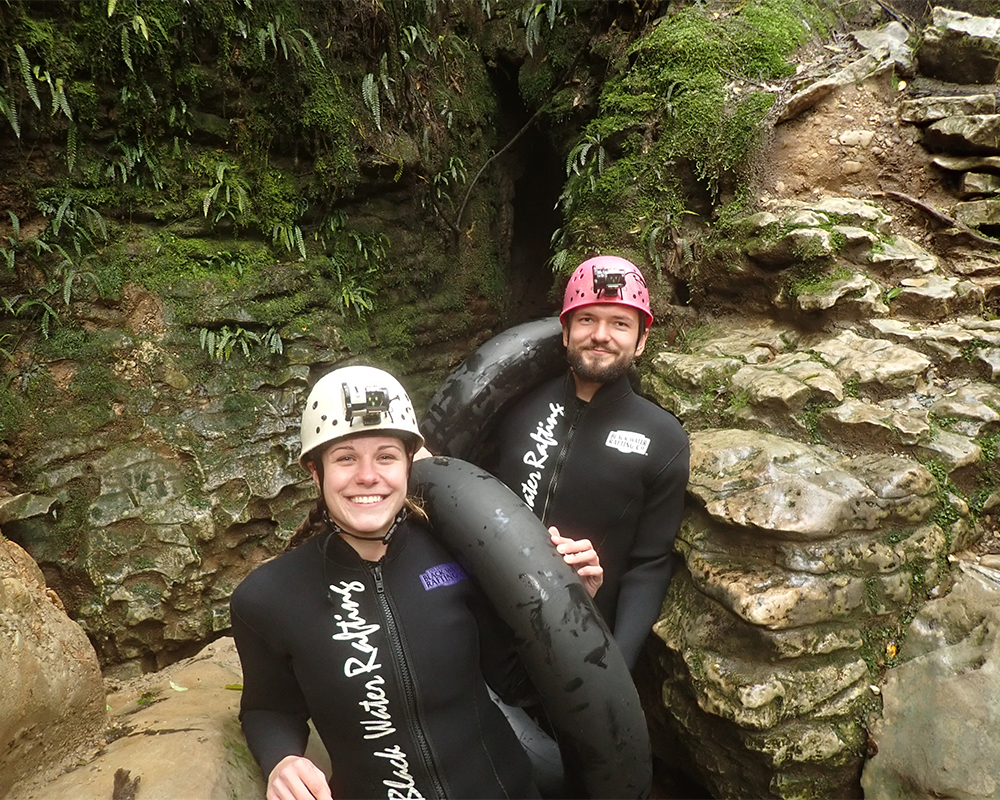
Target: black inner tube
[[566, 646]]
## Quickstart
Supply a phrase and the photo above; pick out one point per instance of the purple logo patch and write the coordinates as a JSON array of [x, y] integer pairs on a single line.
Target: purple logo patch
[[442, 575]]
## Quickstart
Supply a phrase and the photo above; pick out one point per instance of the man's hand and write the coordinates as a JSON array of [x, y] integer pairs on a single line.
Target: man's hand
[[581, 556], [297, 778]]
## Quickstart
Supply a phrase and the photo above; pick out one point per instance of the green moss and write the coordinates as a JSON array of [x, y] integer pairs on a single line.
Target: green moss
[[807, 280], [13, 411], [673, 105]]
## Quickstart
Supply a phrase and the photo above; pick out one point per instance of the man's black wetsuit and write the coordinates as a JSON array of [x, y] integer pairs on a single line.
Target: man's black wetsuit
[[613, 470], [389, 661]]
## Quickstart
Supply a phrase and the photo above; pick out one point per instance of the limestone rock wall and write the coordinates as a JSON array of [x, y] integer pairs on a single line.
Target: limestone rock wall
[[843, 449]]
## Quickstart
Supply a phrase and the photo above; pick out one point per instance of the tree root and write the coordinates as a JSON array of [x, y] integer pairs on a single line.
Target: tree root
[[940, 216]]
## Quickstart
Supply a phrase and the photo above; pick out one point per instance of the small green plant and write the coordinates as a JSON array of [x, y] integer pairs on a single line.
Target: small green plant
[[532, 15], [298, 43], [289, 236], [229, 194], [33, 308], [451, 176], [221, 344], [369, 92]]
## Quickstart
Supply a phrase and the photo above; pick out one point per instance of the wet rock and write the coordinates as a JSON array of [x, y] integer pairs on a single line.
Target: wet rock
[[789, 564], [946, 341], [752, 345], [870, 425], [798, 244], [960, 48], [952, 450], [889, 43], [930, 109], [964, 163], [24, 506], [762, 481], [855, 295], [900, 254], [937, 297], [977, 134], [788, 381], [872, 361], [52, 703], [944, 745], [971, 409], [977, 213], [812, 94], [979, 183]]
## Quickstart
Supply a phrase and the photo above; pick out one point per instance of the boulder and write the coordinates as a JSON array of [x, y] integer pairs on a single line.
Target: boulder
[[975, 134], [961, 48], [941, 706], [174, 735], [52, 701]]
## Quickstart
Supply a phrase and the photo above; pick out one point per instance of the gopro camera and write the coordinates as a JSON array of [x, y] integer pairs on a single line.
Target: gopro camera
[[370, 409], [608, 281]]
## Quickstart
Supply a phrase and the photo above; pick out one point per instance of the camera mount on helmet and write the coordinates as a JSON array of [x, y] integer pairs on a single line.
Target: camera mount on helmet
[[608, 281], [371, 408]]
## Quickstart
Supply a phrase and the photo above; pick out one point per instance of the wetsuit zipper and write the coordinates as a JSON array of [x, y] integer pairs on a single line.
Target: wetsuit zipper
[[560, 460], [409, 691]]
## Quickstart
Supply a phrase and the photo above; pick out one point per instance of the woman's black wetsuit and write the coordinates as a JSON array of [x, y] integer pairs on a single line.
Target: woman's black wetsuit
[[389, 661]]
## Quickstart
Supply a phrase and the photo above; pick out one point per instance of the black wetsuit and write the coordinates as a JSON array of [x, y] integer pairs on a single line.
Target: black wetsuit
[[389, 661], [613, 470]]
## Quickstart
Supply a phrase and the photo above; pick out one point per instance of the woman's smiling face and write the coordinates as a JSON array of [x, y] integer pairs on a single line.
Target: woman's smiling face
[[364, 483]]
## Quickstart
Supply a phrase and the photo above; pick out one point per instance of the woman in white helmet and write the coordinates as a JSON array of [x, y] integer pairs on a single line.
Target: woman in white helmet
[[369, 627]]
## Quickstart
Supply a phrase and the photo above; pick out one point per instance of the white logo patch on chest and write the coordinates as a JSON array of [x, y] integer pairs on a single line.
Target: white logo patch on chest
[[628, 442]]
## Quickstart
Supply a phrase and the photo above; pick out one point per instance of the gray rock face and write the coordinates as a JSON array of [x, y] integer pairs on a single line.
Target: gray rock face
[[975, 134], [976, 213], [960, 48], [769, 629], [931, 109], [174, 521], [52, 700], [941, 706]]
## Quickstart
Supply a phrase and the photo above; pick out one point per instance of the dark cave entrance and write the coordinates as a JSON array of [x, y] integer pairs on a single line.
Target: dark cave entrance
[[537, 172], [529, 277]]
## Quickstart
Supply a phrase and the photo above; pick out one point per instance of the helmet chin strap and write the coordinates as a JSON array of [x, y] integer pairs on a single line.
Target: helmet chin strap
[[333, 527]]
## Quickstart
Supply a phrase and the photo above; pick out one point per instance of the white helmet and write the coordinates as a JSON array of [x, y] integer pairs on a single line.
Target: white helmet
[[353, 400]]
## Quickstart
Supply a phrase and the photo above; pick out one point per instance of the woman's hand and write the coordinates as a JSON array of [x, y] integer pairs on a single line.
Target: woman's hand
[[297, 778], [581, 556]]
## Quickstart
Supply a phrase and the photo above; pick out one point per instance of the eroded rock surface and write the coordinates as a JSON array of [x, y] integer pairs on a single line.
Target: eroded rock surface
[[51, 691]]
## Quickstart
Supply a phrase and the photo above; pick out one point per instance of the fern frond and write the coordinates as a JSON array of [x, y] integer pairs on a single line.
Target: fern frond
[[68, 285], [369, 91], [127, 49], [60, 214], [29, 80], [10, 112], [71, 144], [312, 46], [139, 26], [299, 242], [59, 99], [111, 7]]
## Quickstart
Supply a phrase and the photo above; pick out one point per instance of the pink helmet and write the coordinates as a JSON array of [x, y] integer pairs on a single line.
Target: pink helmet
[[607, 279]]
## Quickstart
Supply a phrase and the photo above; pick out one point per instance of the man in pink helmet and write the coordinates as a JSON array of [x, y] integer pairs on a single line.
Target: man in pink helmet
[[594, 459]]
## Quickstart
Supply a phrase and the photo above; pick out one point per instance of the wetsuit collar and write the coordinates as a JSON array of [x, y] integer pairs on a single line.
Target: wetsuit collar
[[608, 393]]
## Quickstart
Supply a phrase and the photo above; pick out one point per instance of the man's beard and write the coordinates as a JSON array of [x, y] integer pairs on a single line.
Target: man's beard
[[605, 373]]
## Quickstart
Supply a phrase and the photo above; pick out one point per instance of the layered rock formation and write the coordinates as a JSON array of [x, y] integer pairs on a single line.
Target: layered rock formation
[[843, 447]]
